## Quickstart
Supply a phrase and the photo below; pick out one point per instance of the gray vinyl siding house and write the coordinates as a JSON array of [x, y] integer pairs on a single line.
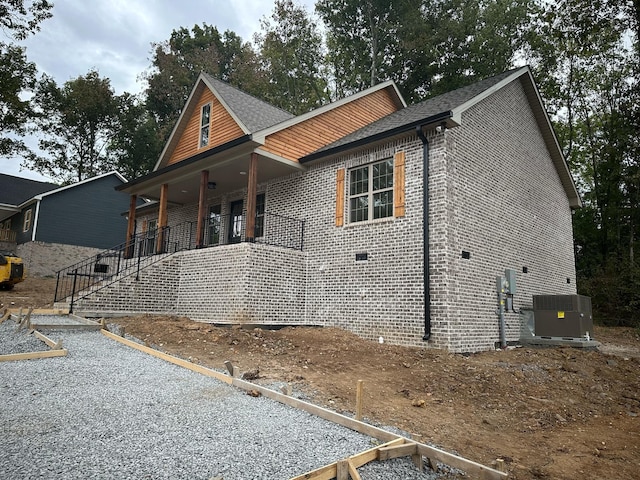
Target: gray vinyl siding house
[[481, 163], [61, 225]]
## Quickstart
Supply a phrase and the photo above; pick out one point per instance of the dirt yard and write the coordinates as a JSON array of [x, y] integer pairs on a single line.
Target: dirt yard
[[558, 413]]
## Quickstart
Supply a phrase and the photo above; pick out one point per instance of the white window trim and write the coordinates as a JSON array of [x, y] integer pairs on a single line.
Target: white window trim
[[202, 127], [26, 221], [370, 192]]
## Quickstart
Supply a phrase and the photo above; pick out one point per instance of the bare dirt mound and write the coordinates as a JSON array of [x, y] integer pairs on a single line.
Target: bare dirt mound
[[558, 413]]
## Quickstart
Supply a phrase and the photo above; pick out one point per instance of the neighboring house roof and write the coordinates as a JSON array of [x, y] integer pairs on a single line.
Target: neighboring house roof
[[73, 185], [16, 190], [449, 108]]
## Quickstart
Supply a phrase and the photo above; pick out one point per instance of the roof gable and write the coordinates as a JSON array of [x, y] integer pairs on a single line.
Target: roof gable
[[234, 114], [304, 134], [449, 108]]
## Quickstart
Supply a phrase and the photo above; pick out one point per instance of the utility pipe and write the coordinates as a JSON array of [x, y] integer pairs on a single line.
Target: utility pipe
[[425, 232]]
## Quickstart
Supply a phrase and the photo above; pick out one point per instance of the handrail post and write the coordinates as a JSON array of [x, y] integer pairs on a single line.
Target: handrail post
[[139, 256], [55, 296], [73, 289]]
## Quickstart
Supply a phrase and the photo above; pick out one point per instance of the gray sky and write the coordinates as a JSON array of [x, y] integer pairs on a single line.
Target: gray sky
[[115, 36]]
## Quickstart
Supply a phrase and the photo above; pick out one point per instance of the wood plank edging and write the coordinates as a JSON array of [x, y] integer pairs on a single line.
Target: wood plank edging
[[170, 358], [33, 355], [328, 472]]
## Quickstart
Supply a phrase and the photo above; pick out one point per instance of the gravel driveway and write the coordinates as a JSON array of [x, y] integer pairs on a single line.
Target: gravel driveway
[[111, 412]]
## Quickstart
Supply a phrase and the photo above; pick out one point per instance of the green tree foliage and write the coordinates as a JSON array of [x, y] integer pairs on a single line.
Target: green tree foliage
[[290, 47], [76, 123], [17, 76], [362, 41], [587, 67], [177, 63], [136, 145], [18, 19]]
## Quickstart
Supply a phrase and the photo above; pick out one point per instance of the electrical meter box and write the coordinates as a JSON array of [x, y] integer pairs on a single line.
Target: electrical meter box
[[565, 316]]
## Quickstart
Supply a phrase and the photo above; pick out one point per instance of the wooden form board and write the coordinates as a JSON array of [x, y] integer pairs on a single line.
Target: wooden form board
[[395, 444], [169, 358], [56, 350]]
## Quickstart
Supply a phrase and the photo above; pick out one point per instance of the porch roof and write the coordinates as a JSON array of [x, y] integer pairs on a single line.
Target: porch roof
[[227, 165]]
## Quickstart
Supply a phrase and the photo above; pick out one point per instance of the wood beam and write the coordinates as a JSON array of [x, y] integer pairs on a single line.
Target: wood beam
[[252, 190], [162, 218], [202, 205], [131, 226]]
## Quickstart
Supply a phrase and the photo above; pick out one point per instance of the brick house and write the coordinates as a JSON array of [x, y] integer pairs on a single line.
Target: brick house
[[319, 219]]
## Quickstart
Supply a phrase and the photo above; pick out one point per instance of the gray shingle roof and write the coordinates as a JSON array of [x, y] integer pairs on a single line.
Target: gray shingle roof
[[415, 113], [254, 113], [17, 190]]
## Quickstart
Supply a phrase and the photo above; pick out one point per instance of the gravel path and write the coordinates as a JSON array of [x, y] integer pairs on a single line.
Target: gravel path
[[111, 412]]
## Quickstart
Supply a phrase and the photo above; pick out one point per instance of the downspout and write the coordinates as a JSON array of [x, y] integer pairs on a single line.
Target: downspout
[[425, 233]]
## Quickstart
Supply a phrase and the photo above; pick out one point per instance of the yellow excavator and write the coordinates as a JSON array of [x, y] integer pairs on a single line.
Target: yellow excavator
[[11, 270]]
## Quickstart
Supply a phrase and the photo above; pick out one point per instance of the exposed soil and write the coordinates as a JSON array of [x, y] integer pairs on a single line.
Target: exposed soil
[[558, 413]]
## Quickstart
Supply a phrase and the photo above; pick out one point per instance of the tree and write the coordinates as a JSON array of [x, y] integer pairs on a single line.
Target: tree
[[589, 76], [290, 47], [17, 75], [18, 19], [76, 123], [136, 143], [361, 39], [177, 63]]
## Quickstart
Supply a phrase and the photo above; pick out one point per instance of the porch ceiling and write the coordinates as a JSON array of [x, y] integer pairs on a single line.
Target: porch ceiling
[[229, 171]]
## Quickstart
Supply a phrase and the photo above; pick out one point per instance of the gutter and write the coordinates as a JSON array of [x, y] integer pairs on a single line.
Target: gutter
[[425, 233]]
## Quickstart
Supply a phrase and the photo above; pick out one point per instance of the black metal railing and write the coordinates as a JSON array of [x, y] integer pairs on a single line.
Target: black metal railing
[[270, 229], [144, 249]]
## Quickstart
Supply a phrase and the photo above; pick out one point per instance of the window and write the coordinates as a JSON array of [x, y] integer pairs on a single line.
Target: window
[[371, 191], [26, 225], [259, 215], [214, 225], [205, 119]]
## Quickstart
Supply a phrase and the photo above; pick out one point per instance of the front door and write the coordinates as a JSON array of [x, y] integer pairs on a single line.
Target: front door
[[236, 221]]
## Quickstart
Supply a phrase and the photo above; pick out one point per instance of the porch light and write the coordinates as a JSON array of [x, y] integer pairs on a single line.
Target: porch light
[[243, 173], [211, 185]]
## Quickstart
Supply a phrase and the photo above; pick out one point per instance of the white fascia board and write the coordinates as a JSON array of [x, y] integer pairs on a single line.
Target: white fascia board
[[86, 180], [34, 221]]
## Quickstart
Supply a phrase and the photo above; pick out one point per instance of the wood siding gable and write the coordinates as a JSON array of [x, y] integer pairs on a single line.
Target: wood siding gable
[[223, 128], [308, 136]]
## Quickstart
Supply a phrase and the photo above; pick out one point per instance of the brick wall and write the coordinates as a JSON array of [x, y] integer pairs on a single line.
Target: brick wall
[[507, 209], [240, 283], [493, 192], [43, 259]]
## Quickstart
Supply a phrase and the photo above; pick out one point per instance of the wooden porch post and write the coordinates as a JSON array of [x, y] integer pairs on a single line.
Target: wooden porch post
[[162, 218], [131, 227], [202, 205], [252, 187]]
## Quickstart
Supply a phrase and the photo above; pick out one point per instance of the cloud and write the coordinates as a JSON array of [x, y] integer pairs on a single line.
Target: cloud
[[114, 37]]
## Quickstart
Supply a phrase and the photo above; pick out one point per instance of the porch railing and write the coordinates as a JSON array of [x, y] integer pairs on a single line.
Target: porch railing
[[7, 236], [129, 258]]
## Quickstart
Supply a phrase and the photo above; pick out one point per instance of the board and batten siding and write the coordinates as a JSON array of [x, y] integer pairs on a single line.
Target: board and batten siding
[[308, 136], [223, 129], [88, 214]]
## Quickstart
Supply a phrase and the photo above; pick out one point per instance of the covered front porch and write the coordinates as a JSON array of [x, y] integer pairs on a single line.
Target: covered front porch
[[215, 200]]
